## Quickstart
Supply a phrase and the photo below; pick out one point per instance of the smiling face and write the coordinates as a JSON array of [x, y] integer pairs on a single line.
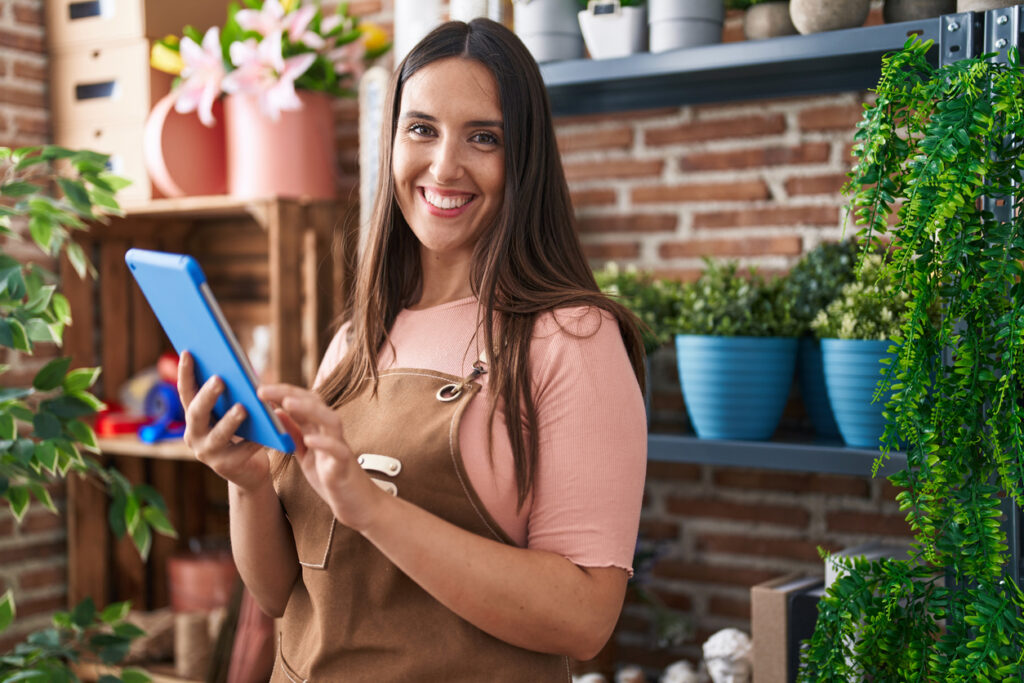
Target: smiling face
[[448, 159]]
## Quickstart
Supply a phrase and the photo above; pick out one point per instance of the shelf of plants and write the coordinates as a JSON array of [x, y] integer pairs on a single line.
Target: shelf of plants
[[790, 65]]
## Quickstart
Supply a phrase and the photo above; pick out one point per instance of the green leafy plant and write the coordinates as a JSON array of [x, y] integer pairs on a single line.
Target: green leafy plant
[[936, 142], [44, 433], [869, 308], [725, 303], [817, 279], [651, 299]]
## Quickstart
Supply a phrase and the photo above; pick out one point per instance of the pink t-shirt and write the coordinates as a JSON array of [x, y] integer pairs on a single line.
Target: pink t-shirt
[[592, 426]]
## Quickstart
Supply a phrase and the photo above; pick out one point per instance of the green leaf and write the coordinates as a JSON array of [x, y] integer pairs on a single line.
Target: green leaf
[[78, 260], [46, 426], [68, 407], [132, 513], [84, 434], [135, 676], [76, 193], [18, 189], [18, 497], [142, 537], [127, 630], [7, 610], [80, 379], [14, 393], [7, 427], [19, 337], [61, 307], [84, 613], [52, 374], [159, 521], [115, 513], [46, 455], [41, 230], [115, 612]]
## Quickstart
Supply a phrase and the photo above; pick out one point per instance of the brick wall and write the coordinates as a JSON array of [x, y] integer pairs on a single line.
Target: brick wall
[[33, 556]]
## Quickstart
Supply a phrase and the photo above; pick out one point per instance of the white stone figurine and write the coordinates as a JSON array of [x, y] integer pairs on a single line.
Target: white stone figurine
[[727, 655], [589, 678], [681, 672], [630, 674]]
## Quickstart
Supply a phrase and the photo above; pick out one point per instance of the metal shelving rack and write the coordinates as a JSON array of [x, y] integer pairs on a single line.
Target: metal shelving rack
[[821, 63]]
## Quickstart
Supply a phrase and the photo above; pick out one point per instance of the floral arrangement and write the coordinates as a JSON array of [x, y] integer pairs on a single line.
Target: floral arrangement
[[269, 49], [650, 299], [872, 307], [818, 278]]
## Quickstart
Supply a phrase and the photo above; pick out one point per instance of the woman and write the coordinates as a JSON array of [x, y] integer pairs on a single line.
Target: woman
[[464, 497]]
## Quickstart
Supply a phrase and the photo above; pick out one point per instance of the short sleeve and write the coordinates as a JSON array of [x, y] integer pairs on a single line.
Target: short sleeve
[[593, 440], [336, 350]]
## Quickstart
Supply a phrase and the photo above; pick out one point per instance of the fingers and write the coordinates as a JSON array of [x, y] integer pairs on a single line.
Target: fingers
[[229, 424], [293, 429], [307, 410], [199, 410], [186, 378]]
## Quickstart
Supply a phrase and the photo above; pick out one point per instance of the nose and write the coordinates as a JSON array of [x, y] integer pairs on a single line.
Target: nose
[[447, 163]]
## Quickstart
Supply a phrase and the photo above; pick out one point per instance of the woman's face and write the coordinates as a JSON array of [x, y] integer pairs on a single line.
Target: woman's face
[[449, 155]]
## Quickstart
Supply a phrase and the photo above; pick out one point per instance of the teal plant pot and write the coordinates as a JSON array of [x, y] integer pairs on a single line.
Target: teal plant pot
[[735, 387], [810, 377], [853, 369]]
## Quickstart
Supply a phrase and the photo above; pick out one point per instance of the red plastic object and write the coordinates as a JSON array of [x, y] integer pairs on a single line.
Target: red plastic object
[[167, 367], [110, 423]]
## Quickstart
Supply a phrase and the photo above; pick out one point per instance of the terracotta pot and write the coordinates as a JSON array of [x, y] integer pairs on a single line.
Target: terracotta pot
[[910, 10], [291, 157], [982, 5], [768, 20], [815, 16], [183, 157], [200, 582]]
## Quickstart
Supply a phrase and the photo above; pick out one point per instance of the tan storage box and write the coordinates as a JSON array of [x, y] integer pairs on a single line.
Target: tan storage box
[[105, 83], [71, 24], [122, 140]]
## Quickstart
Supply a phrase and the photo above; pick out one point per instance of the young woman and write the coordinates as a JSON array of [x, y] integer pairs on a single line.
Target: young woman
[[464, 499]]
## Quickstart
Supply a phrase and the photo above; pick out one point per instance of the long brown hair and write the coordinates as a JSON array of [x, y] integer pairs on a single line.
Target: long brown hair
[[528, 263]]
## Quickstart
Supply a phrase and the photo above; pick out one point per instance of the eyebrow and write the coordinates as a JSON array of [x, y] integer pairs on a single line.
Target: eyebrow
[[478, 123]]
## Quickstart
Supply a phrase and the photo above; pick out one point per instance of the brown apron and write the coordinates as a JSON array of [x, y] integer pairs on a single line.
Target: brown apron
[[352, 614]]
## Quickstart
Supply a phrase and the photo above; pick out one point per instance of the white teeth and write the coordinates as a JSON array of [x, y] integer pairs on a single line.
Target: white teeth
[[445, 202]]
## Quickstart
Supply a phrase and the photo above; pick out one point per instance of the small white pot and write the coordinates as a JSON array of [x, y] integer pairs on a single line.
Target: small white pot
[[548, 28], [679, 24], [614, 35]]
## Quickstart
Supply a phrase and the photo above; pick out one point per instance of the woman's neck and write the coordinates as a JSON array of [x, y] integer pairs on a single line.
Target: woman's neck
[[444, 280]]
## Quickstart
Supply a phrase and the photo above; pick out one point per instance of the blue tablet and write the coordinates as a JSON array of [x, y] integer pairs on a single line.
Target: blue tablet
[[177, 291]]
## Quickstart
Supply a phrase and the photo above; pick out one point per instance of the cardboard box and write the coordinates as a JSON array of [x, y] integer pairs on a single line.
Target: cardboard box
[[105, 83], [122, 139], [778, 622], [72, 24]]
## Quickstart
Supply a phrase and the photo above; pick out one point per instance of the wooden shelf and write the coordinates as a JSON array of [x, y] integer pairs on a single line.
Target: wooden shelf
[[174, 449], [160, 673], [212, 206]]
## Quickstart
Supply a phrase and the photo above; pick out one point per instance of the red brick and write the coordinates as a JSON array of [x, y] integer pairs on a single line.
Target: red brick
[[792, 482], [32, 125], [837, 117], [867, 523], [608, 138], [649, 657], [632, 115], [43, 520], [612, 250], [690, 571], [732, 32], [698, 131], [822, 184], [756, 157], [888, 491], [658, 530], [749, 246], [3, 66], [29, 15], [676, 471], [778, 215], [741, 190], [6, 527], [46, 576], [674, 600], [722, 606], [875, 17], [601, 197], [791, 548], [680, 274], [614, 168], [361, 8], [34, 551], [27, 608], [25, 98], [785, 515], [3, 123], [637, 222], [30, 72], [22, 42]]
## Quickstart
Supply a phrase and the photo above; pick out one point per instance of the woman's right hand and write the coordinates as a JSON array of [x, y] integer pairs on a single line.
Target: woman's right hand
[[243, 463]]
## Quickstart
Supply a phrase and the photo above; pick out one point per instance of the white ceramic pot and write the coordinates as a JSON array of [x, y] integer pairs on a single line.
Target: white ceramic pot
[[549, 29], [676, 24], [614, 35], [816, 16]]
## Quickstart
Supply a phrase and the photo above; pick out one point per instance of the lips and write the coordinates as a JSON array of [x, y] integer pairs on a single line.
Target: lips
[[445, 203]]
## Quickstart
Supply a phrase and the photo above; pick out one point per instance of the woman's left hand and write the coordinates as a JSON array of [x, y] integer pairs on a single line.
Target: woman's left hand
[[323, 455]]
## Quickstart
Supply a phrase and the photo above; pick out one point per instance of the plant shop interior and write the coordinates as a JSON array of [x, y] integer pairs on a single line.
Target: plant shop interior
[[811, 206]]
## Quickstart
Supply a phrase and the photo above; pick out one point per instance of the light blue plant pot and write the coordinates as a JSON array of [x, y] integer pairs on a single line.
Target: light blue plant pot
[[811, 379], [735, 387], [853, 369]]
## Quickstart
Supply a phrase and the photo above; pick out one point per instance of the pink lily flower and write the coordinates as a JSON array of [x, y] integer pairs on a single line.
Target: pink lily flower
[[331, 22], [298, 23], [266, 20], [203, 74], [262, 71], [349, 59]]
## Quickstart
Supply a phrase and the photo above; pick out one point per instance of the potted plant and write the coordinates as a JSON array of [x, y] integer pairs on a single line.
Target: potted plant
[[550, 29], [764, 18], [858, 330], [736, 349], [676, 24], [613, 28], [44, 435], [279, 64], [942, 144], [812, 283]]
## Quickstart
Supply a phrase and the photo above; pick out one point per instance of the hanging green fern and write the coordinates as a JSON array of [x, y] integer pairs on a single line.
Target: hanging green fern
[[931, 146]]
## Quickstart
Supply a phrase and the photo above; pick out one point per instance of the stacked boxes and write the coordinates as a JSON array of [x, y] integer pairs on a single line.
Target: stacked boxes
[[102, 87]]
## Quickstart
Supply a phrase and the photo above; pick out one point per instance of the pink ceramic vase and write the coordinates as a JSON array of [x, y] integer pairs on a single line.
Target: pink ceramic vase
[[291, 157], [183, 157]]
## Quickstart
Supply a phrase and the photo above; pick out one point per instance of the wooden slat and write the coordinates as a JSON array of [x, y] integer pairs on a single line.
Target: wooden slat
[[130, 575], [323, 218], [284, 229], [165, 476], [132, 447], [79, 342], [89, 541], [115, 319]]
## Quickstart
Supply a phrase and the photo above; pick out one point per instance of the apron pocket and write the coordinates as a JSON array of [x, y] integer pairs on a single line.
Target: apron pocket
[[313, 528], [289, 673]]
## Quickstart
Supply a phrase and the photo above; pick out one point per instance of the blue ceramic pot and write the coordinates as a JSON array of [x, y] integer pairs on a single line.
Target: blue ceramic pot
[[811, 379], [852, 371], [735, 387]]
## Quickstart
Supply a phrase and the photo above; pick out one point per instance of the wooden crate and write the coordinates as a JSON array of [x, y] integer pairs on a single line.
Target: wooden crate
[[276, 262]]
